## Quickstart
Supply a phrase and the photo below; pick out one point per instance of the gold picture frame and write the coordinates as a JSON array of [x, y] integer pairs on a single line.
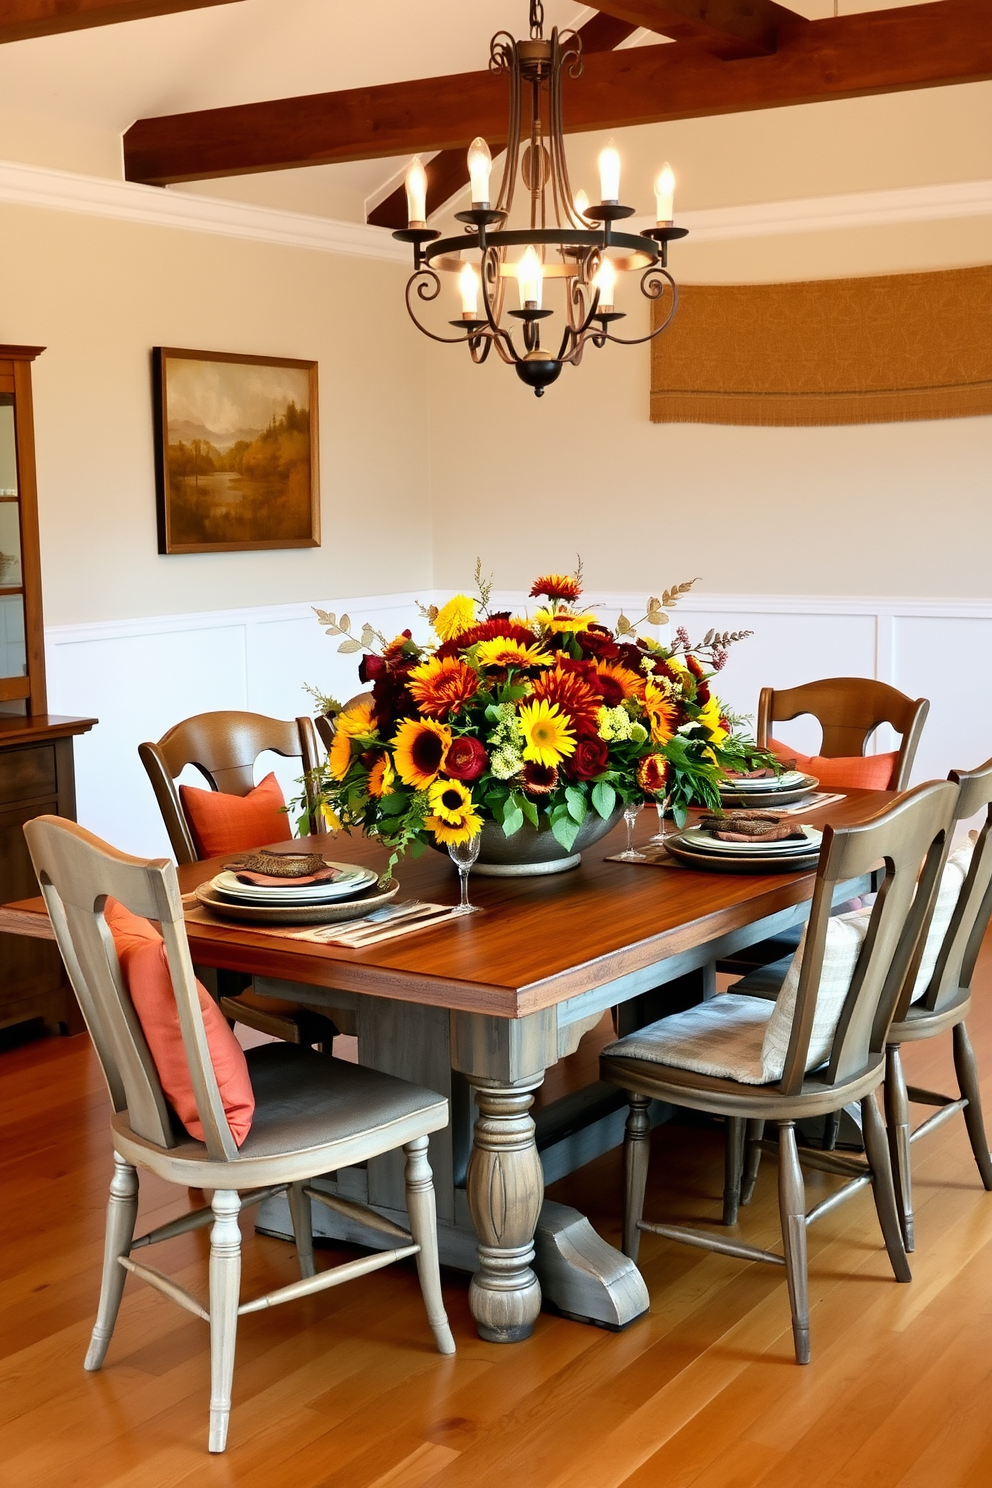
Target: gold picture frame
[[236, 452]]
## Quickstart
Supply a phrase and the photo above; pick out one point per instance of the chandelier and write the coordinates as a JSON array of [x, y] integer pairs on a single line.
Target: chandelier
[[568, 239]]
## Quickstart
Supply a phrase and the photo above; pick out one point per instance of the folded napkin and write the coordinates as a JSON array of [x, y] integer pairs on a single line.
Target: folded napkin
[[752, 826]]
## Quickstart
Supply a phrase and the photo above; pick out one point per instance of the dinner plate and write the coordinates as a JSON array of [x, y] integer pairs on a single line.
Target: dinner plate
[[295, 914], [352, 882], [717, 862], [788, 780], [736, 796], [699, 837]]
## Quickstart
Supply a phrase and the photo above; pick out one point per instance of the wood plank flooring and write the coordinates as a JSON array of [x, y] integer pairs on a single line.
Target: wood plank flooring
[[345, 1390]]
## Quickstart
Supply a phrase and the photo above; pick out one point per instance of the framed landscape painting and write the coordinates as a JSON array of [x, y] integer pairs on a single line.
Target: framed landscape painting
[[236, 452]]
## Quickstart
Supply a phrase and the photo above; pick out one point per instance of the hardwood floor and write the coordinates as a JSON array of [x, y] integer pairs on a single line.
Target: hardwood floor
[[345, 1389]]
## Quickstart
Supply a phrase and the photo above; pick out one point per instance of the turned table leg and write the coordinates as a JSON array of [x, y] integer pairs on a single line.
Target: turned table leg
[[505, 1191]]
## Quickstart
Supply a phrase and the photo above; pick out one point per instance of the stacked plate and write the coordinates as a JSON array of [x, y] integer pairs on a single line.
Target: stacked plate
[[698, 848], [352, 893], [776, 790]]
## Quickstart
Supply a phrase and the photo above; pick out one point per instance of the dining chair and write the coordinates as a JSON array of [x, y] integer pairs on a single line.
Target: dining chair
[[729, 1058], [313, 1114], [224, 747], [848, 710], [935, 999]]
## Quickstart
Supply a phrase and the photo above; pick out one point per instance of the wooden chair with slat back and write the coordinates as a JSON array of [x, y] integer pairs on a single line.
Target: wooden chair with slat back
[[848, 710], [313, 1114], [224, 747], [941, 1006], [663, 1061]]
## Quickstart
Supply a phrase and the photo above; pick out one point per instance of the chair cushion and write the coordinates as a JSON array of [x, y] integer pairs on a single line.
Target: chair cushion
[[141, 952], [955, 872], [842, 946], [845, 772], [220, 823], [722, 1037]]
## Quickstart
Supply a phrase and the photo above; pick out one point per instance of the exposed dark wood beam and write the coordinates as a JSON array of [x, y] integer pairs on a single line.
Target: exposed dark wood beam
[[730, 28], [921, 46], [447, 173], [21, 19]]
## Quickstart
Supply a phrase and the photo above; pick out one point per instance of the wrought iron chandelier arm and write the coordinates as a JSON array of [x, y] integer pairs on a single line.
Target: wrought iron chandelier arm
[[653, 282], [502, 338], [428, 294]]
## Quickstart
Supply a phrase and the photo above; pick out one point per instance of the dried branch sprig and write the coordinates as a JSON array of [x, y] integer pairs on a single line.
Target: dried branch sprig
[[366, 641], [484, 586], [655, 608]]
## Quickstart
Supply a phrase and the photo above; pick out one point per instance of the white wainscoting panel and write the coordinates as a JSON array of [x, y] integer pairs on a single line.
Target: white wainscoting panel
[[141, 676]]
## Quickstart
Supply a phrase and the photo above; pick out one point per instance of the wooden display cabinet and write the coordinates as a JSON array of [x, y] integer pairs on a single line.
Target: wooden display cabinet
[[36, 763]]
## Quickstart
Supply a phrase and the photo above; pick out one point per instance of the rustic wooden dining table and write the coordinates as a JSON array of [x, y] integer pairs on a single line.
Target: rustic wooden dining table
[[479, 1007]]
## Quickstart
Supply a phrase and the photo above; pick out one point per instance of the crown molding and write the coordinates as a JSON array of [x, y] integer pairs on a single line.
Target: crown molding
[[125, 201], [151, 206]]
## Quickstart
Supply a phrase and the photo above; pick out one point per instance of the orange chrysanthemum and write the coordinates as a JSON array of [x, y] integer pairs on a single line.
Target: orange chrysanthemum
[[441, 687], [572, 695], [555, 586], [661, 711], [420, 747], [618, 682]]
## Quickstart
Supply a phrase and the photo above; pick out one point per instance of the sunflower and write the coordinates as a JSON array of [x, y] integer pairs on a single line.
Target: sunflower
[[555, 586], [547, 736], [572, 694], [419, 749], [505, 652], [382, 777], [441, 687], [454, 617], [453, 817], [661, 712], [711, 720], [557, 620], [353, 723]]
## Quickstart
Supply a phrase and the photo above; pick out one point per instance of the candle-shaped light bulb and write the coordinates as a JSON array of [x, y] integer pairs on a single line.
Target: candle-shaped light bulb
[[664, 194], [480, 164], [416, 193], [609, 173], [605, 280], [581, 205], [468, 286], [530, 279]]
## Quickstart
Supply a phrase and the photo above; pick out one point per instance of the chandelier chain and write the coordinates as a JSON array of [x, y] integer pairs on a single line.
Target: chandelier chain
[[536, 20]]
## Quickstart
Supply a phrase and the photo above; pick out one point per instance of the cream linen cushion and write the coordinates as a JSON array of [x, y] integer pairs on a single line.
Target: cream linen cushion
[[841, 948], [721, 1037], [951, 883]]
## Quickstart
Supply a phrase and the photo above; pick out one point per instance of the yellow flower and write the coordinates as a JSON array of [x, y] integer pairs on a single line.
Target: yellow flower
[[354, 723], [547, 736], [709, 717], [660, 711], [420, 748], [331, 819], [453, 816], [561, 620], [506, 652], [454, 617], [441, 686], [381, 777]]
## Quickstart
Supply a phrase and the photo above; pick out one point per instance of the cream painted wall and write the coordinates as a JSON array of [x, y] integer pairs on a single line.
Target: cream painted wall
[[100, 294], [875, 509]]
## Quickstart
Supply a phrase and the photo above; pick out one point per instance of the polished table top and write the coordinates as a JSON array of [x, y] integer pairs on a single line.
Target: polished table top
[[543, 939]]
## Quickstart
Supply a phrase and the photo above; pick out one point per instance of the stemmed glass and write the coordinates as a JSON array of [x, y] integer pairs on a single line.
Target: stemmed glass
[[630, 814], [661, 835], [464, 855]]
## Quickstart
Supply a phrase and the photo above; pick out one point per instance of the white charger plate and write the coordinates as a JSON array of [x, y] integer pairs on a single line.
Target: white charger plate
[[698, 837], [355, 880]]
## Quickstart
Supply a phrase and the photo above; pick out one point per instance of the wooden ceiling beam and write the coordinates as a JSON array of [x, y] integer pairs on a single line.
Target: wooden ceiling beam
[[729, 28], [447, 173], [22, 19], [920, 46]]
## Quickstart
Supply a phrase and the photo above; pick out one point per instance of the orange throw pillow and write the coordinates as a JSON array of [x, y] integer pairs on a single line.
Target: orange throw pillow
[[222, 824], [141, 952], [846, 772]]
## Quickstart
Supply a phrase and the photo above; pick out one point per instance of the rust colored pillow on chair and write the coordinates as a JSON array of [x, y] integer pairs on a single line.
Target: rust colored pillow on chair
[[846, 772], [220, 824], [141, 952]]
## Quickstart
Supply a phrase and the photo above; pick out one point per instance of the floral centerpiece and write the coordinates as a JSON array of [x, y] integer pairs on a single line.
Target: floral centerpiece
[[543, 719]]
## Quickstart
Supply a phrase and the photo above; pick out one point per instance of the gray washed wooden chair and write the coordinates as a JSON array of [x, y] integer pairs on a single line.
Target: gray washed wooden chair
[[942, 1007], [313, 1114], [913, 828]]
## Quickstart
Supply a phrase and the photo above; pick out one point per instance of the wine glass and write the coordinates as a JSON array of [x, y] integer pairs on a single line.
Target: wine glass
[[463, 855], [661, 835], [630, 814]]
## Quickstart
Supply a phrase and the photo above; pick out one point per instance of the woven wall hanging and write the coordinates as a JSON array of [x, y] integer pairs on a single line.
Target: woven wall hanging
[[828, 351]]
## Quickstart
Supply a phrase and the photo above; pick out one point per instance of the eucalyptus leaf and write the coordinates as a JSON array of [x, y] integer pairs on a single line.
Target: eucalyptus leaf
[[529, 809], [350, 645], [604, 798], [513, 818], [565, 830], [577, 806]]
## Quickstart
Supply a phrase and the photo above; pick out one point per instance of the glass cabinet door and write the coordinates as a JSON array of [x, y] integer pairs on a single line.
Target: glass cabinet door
[[13, 646]]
